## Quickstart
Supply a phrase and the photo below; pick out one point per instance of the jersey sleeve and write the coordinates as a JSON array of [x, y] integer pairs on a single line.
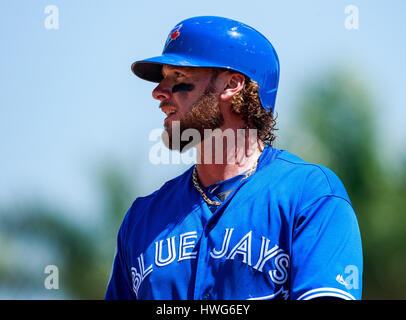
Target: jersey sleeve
[[120, 283], [326, 258]]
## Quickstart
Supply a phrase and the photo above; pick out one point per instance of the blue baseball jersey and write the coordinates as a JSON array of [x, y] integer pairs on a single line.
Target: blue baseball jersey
[[288, 231]]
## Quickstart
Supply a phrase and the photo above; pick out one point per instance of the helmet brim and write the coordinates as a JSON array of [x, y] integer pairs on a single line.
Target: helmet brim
[[151, 69]]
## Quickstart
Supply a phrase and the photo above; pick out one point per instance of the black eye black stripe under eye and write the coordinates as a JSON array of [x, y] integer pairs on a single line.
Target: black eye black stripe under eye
[[183, 87]]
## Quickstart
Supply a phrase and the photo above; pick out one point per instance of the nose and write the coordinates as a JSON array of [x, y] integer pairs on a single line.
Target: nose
[[162, 91]]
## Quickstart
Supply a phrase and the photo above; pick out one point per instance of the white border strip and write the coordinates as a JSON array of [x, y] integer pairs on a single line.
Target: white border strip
[[326, 292], [271, 296]]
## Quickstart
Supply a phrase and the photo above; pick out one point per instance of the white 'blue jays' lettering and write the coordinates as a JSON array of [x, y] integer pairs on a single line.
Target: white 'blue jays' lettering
[[242, 249], [187, 242], [159, 261], [138, 277], [224, 247]]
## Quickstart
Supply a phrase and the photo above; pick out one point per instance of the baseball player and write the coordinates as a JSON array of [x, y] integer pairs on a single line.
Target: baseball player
[[267, 225]]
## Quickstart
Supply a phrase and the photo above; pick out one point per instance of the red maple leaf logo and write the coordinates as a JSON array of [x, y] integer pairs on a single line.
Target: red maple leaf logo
[[175, 34]]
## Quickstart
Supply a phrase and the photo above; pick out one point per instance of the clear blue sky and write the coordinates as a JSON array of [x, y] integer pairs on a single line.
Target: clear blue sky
[[69, 100]]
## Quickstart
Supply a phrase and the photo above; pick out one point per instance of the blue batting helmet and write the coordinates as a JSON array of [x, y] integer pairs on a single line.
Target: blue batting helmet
[[218, 42]]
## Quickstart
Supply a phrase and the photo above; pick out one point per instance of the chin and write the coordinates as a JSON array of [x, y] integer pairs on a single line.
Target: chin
[[172, 140]]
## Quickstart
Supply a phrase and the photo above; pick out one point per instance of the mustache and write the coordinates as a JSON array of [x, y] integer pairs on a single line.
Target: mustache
[[167, 104]]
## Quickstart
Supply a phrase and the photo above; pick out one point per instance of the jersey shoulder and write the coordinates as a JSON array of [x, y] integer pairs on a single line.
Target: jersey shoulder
[[310, 181], [164, 194]]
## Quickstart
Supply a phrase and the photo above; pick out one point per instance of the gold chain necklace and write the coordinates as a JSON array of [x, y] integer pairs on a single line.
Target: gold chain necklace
[[204, 196]]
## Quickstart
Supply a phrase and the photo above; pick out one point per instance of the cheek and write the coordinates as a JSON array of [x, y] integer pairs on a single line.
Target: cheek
[[185, 95]]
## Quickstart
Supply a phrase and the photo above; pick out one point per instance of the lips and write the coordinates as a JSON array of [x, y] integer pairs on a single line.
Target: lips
[[170, 111]]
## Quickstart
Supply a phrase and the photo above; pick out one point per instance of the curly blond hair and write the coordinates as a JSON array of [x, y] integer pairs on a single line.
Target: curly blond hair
[[248, 104]]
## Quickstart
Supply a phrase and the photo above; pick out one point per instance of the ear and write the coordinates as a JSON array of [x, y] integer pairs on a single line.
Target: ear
[[234, 83]]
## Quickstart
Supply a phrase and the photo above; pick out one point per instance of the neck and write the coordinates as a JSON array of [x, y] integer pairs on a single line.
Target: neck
[[226, 154]]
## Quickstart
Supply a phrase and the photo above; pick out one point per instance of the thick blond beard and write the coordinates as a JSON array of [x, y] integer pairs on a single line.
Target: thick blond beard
[[204, 114]]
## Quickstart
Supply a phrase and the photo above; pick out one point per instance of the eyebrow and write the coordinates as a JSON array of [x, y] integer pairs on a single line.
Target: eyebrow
[[184, 70]]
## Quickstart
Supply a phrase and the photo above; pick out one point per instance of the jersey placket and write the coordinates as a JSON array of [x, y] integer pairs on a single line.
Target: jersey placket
[[204, 279]]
